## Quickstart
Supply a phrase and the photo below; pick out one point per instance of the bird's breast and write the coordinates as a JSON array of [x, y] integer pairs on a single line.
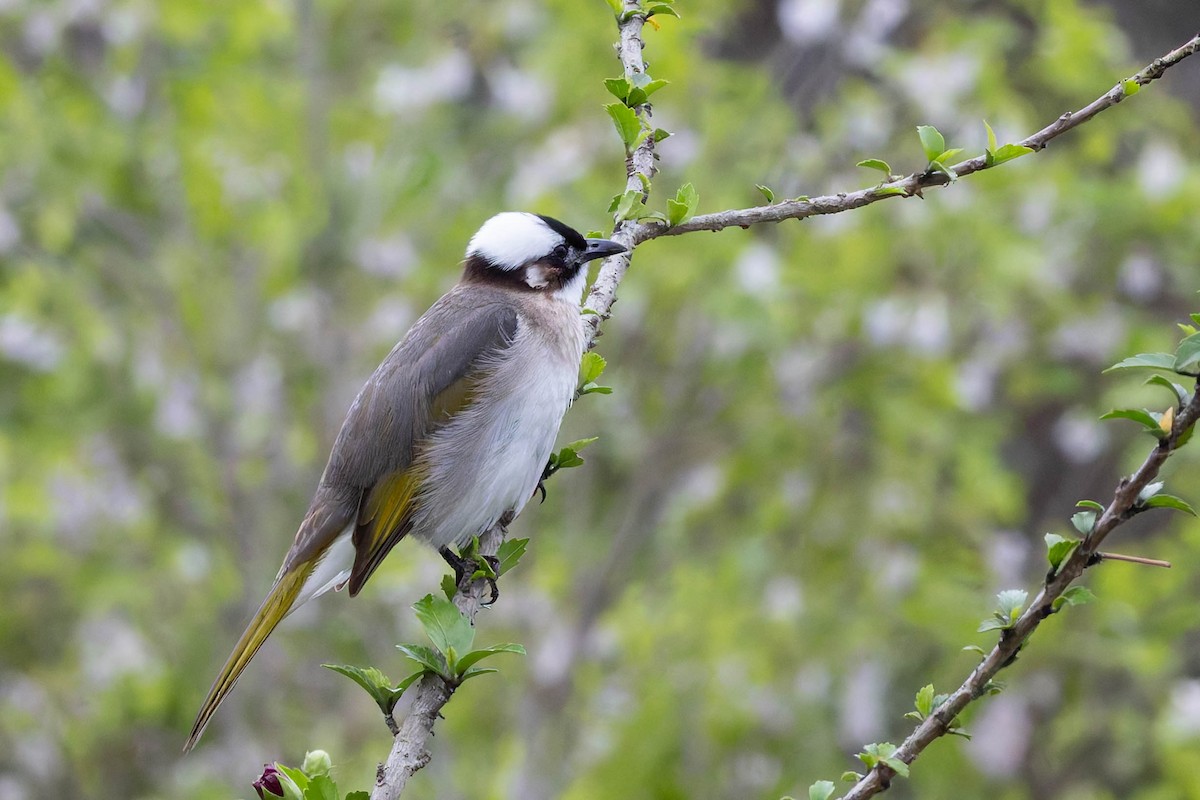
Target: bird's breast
[[489, 458]]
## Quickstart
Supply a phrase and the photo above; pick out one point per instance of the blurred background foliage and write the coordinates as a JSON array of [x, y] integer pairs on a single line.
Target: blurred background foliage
[[830, 443]]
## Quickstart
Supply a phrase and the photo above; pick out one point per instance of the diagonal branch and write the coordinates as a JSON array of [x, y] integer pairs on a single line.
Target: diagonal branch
[[1125, 504], [912, 184]]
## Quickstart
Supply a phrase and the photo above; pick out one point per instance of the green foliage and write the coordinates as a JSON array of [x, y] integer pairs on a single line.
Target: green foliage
[[1059, 547], [683, 207], [883, 753], [875, 163], [1009, 604], [374, 683], [313, 781], [821, 790], [994, 156], [590, 369], [451, 657]]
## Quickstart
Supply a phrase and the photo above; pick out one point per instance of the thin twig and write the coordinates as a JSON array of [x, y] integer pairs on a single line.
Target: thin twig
[[1149, 562], [1125, 504], [912, 184]]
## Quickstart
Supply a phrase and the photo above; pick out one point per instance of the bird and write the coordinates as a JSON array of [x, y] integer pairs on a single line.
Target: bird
[[452, 431]]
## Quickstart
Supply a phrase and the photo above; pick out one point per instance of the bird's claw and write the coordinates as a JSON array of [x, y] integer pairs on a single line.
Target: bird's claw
[[465, 569]]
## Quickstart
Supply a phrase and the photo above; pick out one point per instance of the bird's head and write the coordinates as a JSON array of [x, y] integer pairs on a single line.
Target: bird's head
[[533, 253]]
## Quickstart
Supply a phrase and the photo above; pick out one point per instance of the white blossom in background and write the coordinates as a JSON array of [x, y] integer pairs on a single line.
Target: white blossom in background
[[1182, 717], [29, 344], [804, 21], [1007, 552], [564, 155], [10, 232], [866, 43], [1140, 276], [1000, 735], [1092, 338], [757, 268], [936, 84], [392, 256], [400, 89], [111, 648], [520, 93], [783, 599], [860, 707], [1080, 436], [1160, 169]]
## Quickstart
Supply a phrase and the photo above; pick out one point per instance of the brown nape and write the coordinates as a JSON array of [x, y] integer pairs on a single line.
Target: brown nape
[[479, 270]]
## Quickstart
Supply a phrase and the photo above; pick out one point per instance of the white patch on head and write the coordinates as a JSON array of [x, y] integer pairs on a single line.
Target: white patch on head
[[537, 276], [512, 239]]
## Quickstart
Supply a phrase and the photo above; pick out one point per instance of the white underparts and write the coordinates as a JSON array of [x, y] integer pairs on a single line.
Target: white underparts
[[332, 571]]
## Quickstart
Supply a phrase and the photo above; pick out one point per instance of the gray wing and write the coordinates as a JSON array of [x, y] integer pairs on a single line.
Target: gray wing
[[424, 381]]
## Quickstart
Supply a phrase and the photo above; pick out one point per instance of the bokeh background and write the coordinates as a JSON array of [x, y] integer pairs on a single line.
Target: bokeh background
[[830, 442]]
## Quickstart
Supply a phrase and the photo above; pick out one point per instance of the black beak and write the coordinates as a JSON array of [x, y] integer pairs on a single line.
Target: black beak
[[600, 248]]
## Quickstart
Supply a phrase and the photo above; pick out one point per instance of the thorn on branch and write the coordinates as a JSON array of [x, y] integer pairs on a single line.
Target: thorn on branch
[[1150, 562]]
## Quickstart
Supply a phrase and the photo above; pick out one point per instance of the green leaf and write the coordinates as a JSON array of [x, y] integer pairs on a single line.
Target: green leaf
[[885, 191], [1180, 393], [629, 205], [1010, 151], [684, 205], [974, 648], [626, 121], [1187, 356], [1083, 521], [358, 796], [766, 192], [591, 367], [427, 657], [1170, 501], [471, 673], [885, 753], [596, 390], [948, 154], [850, 776], [661, 8], [875, 163], [1137, 415], [1010, 602], [617, 7], [475, 656], [660, 134], [1089, 504], [1130, 87], [991, 624], [376, 684], [1075, 596], [617, 87], [924, 700], [444, 624], [1146, 361], [410, 680], [449, 587], [321, 787], [932, 141], [991, 145], [821, 790], [1058, 548], [292, 781], [510, 554]]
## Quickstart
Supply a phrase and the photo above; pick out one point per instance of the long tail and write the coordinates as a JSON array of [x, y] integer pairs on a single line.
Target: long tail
[[279, 602]]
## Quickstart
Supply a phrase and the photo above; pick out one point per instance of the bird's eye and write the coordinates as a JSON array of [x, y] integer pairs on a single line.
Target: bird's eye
[[560, 251]]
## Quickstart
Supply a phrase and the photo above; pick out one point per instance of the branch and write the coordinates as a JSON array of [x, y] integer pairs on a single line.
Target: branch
[[1125, 504], [639, 165], [410, 751], [915, 183]]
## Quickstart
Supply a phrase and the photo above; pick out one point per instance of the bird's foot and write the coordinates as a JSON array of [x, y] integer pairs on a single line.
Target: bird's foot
[[473, 565]]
